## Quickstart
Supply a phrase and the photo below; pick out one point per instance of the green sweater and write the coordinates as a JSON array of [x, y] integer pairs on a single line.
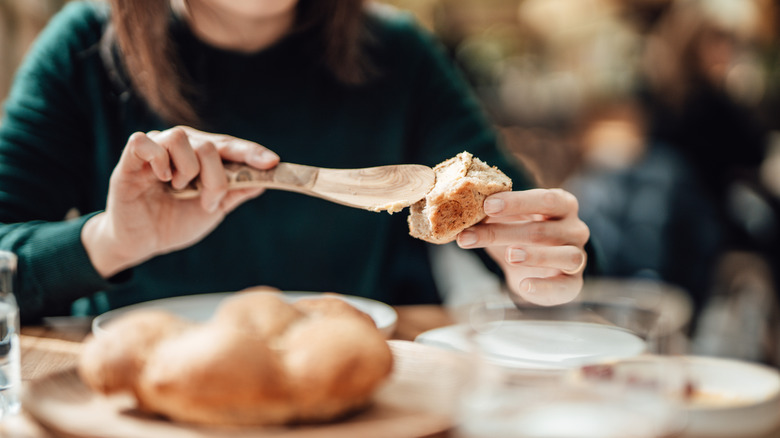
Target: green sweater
[[67, 120]]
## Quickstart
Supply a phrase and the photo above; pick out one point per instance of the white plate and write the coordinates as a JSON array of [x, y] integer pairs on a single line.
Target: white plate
[[201, 307], [538, 345], [731, 398], [749, 393]]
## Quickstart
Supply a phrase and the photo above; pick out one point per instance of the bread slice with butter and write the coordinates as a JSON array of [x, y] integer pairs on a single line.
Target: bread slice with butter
[[455, 202]]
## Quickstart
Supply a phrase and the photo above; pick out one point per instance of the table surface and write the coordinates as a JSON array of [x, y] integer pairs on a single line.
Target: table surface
[[55, 347]]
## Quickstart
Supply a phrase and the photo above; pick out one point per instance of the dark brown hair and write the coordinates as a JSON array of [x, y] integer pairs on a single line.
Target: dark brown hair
[[141, 28]]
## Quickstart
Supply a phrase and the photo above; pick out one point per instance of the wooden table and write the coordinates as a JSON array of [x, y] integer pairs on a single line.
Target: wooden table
[[50, 349], [47, 350]]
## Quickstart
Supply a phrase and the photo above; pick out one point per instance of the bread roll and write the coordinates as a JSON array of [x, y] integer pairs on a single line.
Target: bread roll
[[264, 314], [331, 305], [258, 361], [112, 361], [455, 202], [330, 378], [216, 374]]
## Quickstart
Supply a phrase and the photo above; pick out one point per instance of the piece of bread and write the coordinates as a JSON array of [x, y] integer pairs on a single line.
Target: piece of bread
[[260, 360], [216, 374], [332, 378], [110, 364], [330, 305], [263, 314], [455, 202]]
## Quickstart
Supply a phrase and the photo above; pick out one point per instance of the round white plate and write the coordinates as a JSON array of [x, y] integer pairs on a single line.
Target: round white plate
[[538, 345], [200, 308]]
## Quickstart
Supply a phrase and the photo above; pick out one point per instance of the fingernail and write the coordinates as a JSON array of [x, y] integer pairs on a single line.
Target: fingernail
[[262, 158], [467, 238], [516, 255], [167, 175], [493, 206]]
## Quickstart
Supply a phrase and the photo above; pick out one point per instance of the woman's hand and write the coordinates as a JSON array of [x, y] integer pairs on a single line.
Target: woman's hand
[[538, 239], [142, 219]]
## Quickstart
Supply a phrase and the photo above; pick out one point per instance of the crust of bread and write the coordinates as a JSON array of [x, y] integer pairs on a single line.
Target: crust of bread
[[331, 305], [263, 314], [258, 361], [455, 202], [111, 362], [331, 379], [216, 374]]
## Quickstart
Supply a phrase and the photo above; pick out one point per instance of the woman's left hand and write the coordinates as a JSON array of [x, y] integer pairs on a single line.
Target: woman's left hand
[[538, 240]]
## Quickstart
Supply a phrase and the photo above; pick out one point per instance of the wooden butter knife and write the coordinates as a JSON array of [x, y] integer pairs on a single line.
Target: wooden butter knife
[[389, 188]]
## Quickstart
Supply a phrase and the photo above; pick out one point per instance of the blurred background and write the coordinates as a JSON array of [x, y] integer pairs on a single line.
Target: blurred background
[[662, 116]]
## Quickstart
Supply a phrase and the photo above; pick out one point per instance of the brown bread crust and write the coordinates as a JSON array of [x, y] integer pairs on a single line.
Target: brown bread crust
[[259, 360], [455, 202]]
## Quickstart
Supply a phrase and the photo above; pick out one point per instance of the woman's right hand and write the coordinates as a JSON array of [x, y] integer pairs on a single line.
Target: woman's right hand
[[142, 219]]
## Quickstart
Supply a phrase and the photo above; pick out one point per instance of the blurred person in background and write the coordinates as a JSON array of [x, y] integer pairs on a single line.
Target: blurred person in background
[[116, 102], [643, 206], [563, 80], [704, 87], [703, 83]]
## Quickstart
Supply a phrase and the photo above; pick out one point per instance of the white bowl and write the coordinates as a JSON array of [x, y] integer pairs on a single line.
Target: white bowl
[[736, 398], [717, 397]]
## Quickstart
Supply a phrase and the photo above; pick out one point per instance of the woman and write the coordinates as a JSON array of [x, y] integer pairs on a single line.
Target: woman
[[112, 104]]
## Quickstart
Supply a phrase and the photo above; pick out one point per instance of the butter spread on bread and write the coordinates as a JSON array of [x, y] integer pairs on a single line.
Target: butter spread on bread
[[455, 202]]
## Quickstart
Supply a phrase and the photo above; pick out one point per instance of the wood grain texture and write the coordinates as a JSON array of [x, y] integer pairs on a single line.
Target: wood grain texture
[[374, 188], [414, 320], [46, 350], [418, 400], [53, 350]]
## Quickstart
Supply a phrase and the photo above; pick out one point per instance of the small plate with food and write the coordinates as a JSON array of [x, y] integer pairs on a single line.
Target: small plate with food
[[716, 397]]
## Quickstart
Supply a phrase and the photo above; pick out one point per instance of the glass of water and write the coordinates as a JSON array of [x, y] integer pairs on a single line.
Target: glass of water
[[535, 374], [10, 360]]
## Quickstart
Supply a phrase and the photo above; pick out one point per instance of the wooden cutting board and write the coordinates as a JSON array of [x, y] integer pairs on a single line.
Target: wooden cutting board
[[419, 399]]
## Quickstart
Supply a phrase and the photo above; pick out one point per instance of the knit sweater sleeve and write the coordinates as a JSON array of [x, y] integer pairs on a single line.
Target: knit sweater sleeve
[[45, 157]]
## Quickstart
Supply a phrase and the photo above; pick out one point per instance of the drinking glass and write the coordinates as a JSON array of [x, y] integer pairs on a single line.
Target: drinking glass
[[10, 361], [566, 410], [533, 372]]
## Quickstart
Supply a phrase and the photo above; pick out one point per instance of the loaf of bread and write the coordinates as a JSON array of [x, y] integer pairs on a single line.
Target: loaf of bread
[[259, 360], [455, 202]]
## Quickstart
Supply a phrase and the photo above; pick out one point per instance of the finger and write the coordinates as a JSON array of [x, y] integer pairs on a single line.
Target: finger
[[214, 184], [140, 151], [522, 205], [185, 162], [568, 258], [238, 150], [249, 152], [550, 291], [529, 233], [515, 219]]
